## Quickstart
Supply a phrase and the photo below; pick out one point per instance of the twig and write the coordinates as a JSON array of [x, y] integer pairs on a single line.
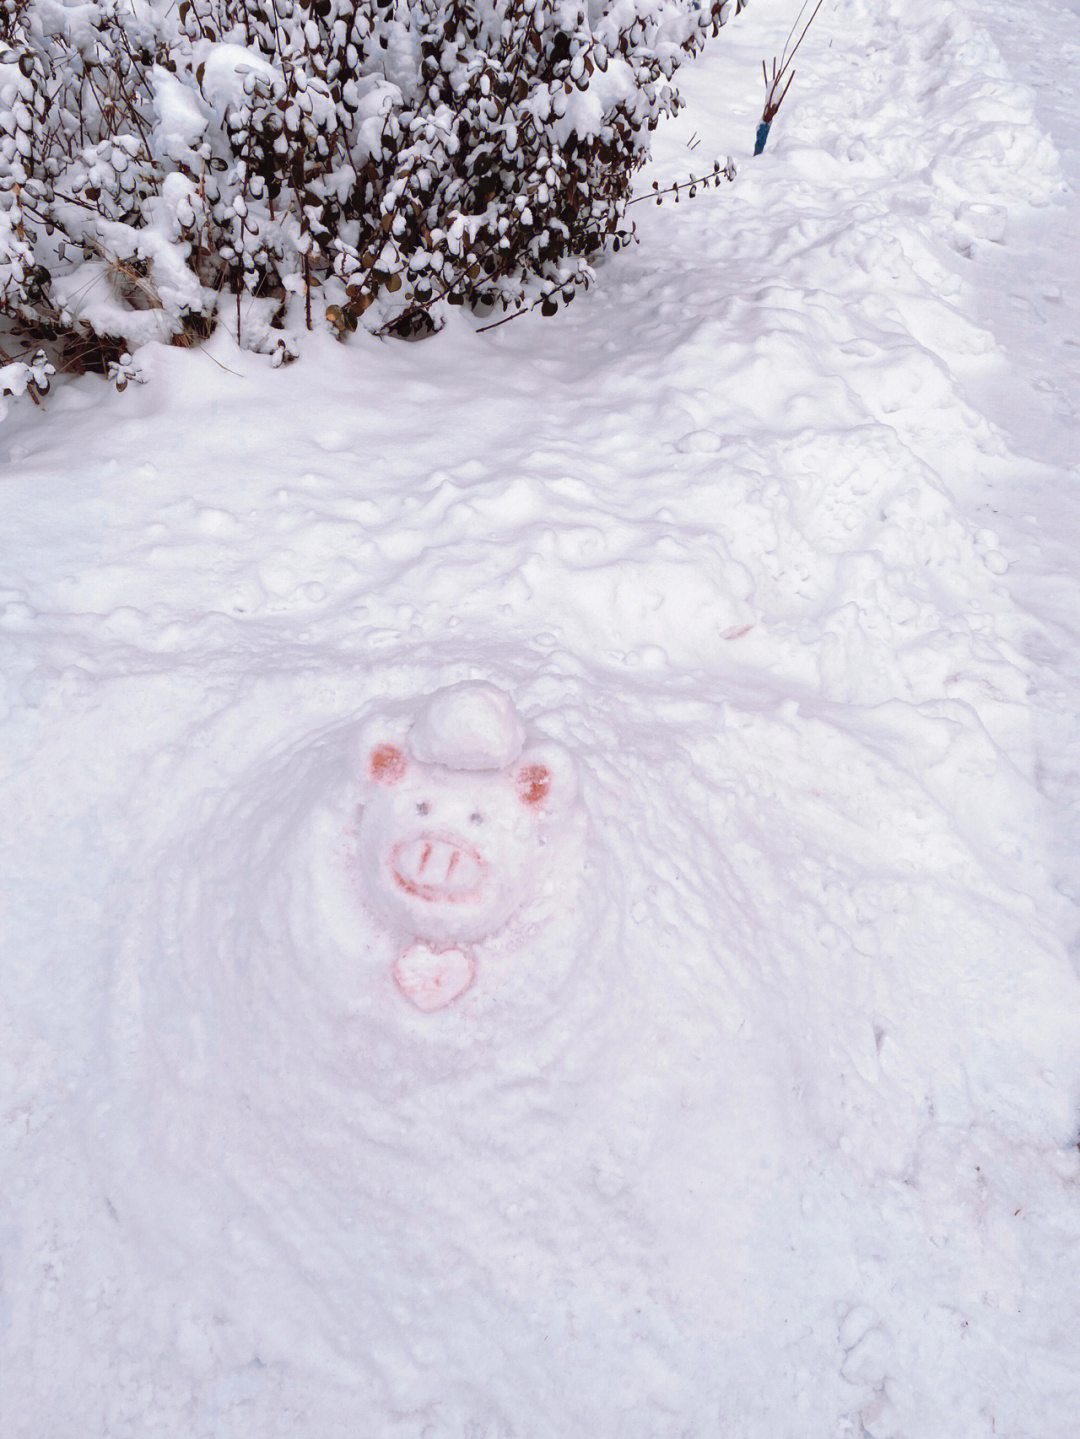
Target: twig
[[514, 315], [202, 350], [719, 172]]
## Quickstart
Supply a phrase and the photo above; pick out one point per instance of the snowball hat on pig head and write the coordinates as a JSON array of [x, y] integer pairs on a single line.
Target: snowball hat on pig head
[[469, 726]]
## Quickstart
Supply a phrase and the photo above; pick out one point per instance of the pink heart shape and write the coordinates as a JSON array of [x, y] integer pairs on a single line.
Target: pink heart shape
[[433, 978]]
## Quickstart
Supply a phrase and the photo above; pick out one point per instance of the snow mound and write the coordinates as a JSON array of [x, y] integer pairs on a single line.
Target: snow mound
[[468, 726], [449, 853], [780, 955]]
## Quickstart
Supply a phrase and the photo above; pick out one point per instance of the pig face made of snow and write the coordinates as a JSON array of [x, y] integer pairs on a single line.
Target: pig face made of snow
[[448, 854]]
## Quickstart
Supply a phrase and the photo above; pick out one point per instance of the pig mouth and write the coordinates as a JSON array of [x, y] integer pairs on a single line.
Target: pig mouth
[[438, 869]]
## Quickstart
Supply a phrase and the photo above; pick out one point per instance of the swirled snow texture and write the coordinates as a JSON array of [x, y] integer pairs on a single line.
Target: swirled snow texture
[[768, 1128]]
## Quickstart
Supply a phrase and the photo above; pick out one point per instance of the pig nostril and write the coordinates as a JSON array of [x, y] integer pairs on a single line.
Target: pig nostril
[[476, 818], [423, 807]]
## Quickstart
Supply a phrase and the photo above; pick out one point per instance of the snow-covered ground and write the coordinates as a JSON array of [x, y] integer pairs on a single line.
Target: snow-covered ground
[[766, 1129]]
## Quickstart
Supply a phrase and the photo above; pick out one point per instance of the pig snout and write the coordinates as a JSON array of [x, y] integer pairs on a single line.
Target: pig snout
[[438, 868]]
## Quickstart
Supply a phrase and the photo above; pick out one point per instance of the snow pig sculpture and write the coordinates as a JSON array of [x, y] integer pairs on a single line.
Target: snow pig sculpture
[[458, 811]]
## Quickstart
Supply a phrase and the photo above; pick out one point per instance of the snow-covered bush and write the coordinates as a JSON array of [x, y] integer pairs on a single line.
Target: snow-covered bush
[[166, 164]]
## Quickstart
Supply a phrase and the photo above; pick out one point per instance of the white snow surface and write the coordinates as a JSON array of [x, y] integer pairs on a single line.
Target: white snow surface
[[768, 1132]]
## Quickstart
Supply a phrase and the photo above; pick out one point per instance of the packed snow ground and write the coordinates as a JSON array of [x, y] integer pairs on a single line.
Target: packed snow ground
[[770, 1130]]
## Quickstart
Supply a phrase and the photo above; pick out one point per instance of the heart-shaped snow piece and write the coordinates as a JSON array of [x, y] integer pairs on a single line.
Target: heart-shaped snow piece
[[433, 978]]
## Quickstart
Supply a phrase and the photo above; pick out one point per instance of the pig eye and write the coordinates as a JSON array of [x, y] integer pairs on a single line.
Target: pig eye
[[423, 807], [476, 817]]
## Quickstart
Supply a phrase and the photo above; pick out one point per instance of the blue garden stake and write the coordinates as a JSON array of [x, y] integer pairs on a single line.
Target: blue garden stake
[[779, 82]]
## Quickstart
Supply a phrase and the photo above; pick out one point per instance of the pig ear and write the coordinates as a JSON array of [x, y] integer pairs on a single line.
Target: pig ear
[[545, 778], [379, 756], [386, 763]]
